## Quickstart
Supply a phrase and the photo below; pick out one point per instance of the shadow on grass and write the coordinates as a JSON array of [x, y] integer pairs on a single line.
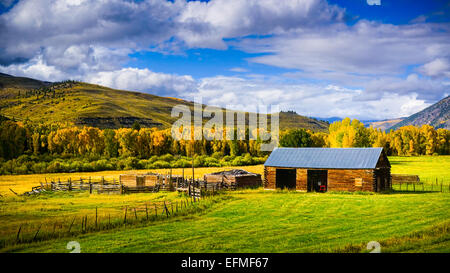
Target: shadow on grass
[[408, 192]]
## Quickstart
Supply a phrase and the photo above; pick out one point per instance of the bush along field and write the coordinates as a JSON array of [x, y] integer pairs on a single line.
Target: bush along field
[[237, 221], [31, 164]]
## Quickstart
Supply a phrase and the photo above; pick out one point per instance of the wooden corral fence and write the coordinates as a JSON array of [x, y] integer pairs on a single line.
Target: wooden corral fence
[[82, 184], [197, 188], [136, 183], [405, 178], [413, 183], [236, 177]]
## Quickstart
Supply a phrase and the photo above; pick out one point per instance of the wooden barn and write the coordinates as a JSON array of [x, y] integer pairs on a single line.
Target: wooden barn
[[328, 169], [239, 178]]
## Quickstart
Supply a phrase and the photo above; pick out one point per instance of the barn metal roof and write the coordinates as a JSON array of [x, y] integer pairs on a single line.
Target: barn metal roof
[[324, 158]]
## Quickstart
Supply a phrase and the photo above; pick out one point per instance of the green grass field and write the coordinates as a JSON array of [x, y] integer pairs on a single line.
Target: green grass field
[[248, 221]]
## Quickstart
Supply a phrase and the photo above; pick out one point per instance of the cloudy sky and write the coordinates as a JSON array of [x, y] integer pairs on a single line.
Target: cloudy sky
[[366, 59]]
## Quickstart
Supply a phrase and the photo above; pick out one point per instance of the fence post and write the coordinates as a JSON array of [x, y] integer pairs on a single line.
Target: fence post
[[189, 188], [96, 217], [37, 232], [156, 211], [90, 187], [146, 211], [18, 234], [125, 216], [165, 207]]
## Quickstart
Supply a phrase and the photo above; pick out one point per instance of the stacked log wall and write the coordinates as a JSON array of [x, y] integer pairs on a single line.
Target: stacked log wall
[[338, 179]]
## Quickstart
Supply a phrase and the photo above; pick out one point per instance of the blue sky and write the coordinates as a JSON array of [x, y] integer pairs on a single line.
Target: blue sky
[[366, 59]]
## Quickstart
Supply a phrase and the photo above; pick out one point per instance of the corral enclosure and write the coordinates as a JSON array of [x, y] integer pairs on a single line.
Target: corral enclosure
[[239, 178]]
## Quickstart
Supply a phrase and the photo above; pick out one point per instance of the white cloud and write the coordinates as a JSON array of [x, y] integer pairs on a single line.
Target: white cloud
[[374, 2], [239, 69], [413, 84], [307, 99], [144, 80], [439, 67], [35, 68], [365, 48], [207, 23], [360, 70]]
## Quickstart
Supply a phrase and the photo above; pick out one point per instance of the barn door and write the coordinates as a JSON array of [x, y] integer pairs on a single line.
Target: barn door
[[286, 178], [317, 180]]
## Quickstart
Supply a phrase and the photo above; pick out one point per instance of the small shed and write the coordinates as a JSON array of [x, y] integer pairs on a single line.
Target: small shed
[[328, 169], [139, 180], [240, 178]]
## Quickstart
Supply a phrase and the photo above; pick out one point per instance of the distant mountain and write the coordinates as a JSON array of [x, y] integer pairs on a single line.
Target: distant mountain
[[436, 115], [330, 119], [375, 123], [98, 106], [382, 124]]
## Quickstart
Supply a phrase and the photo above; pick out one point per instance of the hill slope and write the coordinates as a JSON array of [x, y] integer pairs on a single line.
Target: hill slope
[[11, 82], [436, 115], [93, 105], [383, 124]]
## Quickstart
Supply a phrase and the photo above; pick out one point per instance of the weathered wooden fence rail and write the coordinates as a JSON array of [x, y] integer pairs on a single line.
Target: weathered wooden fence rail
[[424, 185], [192, 187]]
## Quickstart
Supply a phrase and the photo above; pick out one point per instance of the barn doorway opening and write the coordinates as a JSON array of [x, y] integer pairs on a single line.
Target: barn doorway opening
[[286, 178], [318, 180], [382, 181]]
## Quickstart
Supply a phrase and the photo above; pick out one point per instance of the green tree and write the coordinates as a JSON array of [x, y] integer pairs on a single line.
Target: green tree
[[136, 125], [111, 143], [296, 138]]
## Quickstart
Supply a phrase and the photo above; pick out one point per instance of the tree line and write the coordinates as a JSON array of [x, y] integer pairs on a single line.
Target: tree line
[[18, 138], [27, 147], [405, 141]]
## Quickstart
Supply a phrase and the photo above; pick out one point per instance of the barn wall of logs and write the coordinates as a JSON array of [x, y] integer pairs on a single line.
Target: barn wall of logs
[[338, 179]]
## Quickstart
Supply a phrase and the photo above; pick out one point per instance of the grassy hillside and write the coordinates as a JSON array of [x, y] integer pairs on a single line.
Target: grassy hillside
[[21, 83], [436, 115], [98, 106]]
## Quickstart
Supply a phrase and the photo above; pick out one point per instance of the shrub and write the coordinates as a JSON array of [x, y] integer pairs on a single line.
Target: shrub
[[167, 158], [161, 164], [181, 163]]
